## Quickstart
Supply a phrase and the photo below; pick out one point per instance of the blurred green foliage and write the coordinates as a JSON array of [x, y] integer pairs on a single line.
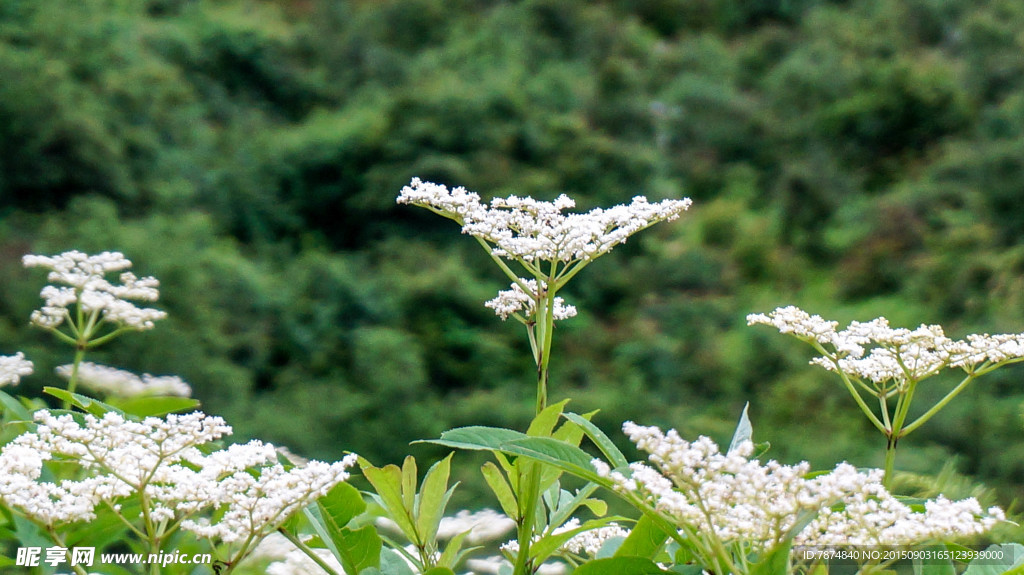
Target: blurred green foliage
[[856, 158]]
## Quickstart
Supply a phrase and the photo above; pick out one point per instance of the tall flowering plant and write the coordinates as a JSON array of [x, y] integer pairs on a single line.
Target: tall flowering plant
[[549, 246], [536, 238], [880, 364], [129, 465]]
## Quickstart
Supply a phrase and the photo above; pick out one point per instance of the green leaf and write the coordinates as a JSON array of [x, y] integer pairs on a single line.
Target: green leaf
[[544, 423], [356, 549], [645, 540], [341, 504], [83, 402], [744, 431], [387, 482], [409, 477], [154, 406], [775, 562], [14, 408], [451, 551], [391, 563], [439, 571], [607, 447], [619, 566], [432, 499], [563, 455], [501, 489], [476, 437]]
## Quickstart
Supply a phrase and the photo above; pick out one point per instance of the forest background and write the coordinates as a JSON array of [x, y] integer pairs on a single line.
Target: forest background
[[856, 158]]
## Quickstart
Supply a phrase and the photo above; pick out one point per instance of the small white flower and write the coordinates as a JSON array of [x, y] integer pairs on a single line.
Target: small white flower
[[876, 352], [85, 284], [533, 230], [744, 500], [515, 300], [13, 368], [120, 383], [485, 525]]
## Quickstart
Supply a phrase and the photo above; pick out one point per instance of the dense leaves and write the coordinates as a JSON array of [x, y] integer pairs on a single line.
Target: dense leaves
[[855, 158]]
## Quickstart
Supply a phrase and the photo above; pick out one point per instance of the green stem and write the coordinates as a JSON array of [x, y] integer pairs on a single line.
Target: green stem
[[850, 387], [890, 463], [305, 549], [938, 406], [547, 321], [78, 569], [527, 513], [860, 401], [73, 380]]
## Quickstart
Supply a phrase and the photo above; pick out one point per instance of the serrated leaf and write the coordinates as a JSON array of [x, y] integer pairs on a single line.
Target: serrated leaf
[[341, 504], [744, 431], [355, 549], [476, 437], [359, 549], [602, 441], [548, 450], [433, 498], [501, 489], [543, 424], [387, 482]]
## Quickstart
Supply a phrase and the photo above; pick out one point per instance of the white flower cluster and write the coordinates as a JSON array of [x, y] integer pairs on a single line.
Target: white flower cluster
[[85, 283], [160, 458], [515, 300], [877, 352], [590, 542], [484, 525], [533, 230], [120, 383], [742, 500], [13, 368]]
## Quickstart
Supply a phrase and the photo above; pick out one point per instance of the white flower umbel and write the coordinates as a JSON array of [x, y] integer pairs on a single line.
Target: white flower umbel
[[886, 364], [85, 301], [120, 383], [536, 231], [523, 304], [590, 542], [753, 506], [483, 526], [13, 368], [552, 246], [254, 505], [159, 462], [121, 456]]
